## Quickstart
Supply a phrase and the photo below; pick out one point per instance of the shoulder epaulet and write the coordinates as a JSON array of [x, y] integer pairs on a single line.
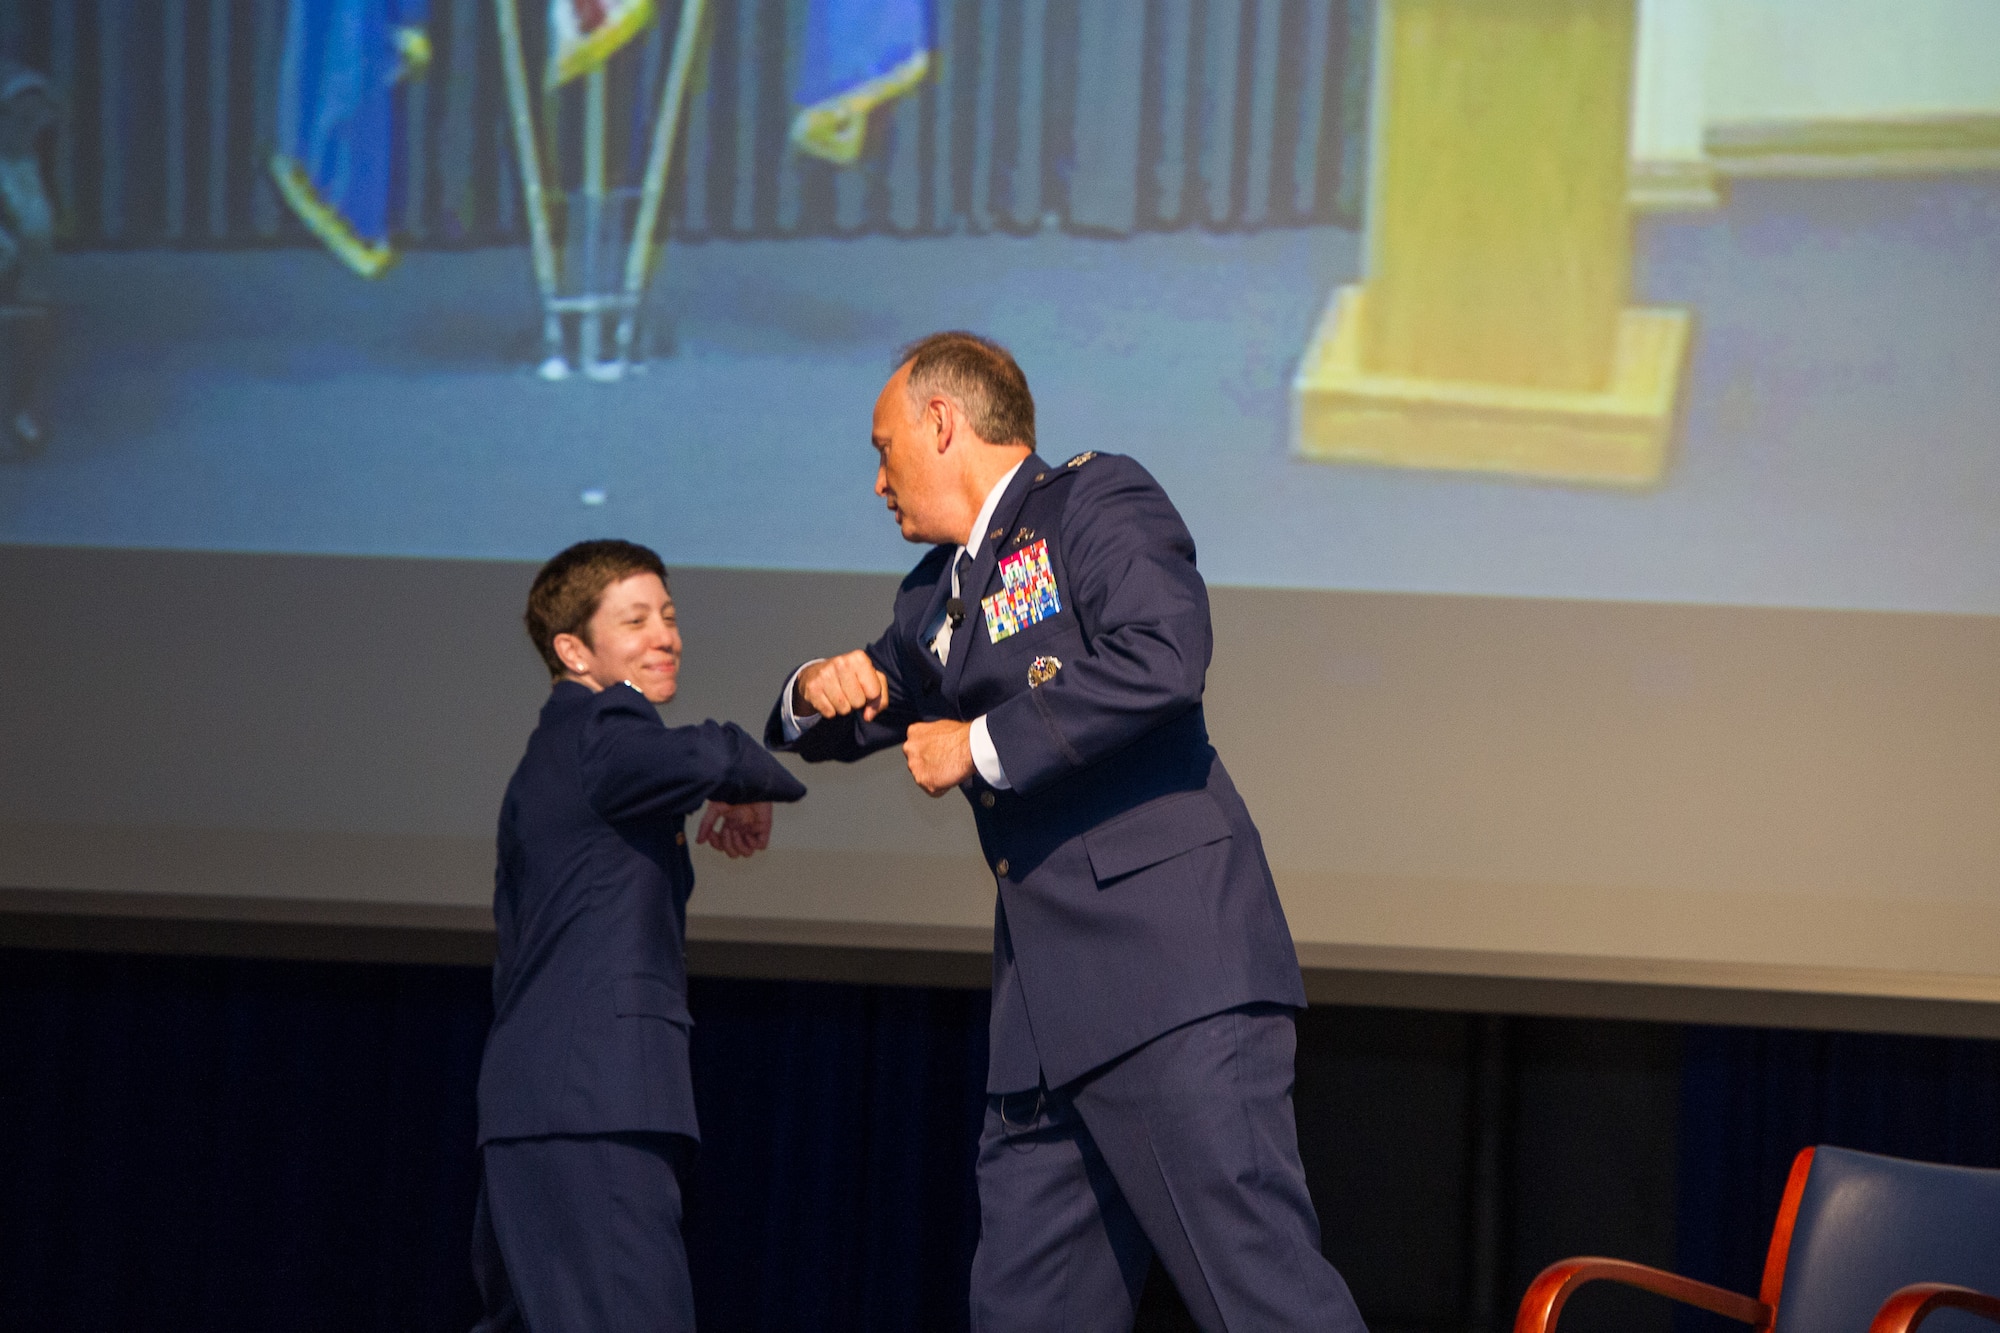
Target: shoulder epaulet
[[1050, 476]]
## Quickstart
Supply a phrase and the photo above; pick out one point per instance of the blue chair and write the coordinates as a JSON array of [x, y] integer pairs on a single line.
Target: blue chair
[[1861, 1243]]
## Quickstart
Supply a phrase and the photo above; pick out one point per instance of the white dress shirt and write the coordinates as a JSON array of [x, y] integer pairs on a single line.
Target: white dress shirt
[[984, 757]]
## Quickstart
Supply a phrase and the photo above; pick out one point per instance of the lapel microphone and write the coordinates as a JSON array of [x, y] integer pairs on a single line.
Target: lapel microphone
[[954, 605]]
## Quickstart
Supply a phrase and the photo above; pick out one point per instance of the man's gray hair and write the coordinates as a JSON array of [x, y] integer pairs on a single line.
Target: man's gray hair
[[979, 375]]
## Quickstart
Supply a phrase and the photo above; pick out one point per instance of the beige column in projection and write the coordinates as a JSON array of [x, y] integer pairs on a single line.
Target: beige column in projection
[[1492, 330]]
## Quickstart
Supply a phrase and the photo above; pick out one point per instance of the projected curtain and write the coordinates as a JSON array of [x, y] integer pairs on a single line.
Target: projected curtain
[[1229, 115]]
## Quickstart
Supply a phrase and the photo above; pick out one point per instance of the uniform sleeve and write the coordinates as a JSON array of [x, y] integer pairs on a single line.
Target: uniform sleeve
[[847, 739], [634, 768], [1130, 563]]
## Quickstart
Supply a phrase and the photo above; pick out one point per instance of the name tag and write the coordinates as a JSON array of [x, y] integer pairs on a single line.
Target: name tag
[[1028, 594]]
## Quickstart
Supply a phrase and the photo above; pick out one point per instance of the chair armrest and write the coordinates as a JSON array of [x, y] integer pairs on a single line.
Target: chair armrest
[[1547, 1294], [1910, 1306]]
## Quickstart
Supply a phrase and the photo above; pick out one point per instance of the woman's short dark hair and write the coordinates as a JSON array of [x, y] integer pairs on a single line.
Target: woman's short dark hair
[[569, 588], [981, 376]]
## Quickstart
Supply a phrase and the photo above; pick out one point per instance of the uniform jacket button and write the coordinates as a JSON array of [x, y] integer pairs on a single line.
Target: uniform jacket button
[[680, 839], [986, 799], [1001, 869]]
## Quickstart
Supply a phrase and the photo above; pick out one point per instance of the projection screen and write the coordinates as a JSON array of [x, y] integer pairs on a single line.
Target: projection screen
[[1622, 645]]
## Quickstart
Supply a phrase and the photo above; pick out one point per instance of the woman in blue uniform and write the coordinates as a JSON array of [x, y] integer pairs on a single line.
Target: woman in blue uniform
[[586, 1113]]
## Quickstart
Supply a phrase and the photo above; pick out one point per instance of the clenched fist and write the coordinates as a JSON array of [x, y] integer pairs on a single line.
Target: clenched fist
[[939, 754], [736, 830], [841, 685]]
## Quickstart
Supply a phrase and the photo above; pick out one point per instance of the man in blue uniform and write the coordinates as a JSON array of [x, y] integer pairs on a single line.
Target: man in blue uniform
[[1047, 657], [586, 1115]]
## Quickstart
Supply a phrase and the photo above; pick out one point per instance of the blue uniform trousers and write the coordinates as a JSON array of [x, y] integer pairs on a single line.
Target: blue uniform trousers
[[1184, 1148], [582, 1235]]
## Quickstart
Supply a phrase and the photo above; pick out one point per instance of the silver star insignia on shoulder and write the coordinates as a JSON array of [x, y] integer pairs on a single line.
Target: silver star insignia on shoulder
[[1081, 458]]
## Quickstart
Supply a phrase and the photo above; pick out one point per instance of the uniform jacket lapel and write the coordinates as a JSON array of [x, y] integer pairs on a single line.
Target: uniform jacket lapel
[[980, 578], [934, 614]]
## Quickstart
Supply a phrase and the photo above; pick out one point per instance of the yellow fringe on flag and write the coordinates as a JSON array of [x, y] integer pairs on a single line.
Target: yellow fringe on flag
[[592, 51], [413, 51], [835, 129], [324, 221]]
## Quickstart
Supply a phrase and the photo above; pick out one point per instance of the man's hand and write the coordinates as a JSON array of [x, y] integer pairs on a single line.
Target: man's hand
[[939, 754], [841, 685], [736, 830]]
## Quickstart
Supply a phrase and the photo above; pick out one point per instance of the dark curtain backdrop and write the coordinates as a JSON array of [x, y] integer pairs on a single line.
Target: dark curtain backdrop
[[1751, 1098], [224, 1145], [196, 1144], [219, 1145]]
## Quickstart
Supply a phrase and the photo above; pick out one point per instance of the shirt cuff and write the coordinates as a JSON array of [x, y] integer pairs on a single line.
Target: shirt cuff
[[987, 759], [795, 725]]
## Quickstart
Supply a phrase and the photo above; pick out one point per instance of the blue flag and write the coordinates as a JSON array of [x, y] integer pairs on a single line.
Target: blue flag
[[858, 55], [336, 161]]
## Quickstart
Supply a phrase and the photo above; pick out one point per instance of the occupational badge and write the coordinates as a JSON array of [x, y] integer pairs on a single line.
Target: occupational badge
[[1028, 593], [1043, 670]]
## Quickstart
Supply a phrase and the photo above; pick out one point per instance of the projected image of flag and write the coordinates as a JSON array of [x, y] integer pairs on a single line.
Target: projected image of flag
[[858, 55], [335, 162], [583, 34]]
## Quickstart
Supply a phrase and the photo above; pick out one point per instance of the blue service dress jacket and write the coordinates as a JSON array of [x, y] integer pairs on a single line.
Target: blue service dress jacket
[[590, 1018], [1133, 891]]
